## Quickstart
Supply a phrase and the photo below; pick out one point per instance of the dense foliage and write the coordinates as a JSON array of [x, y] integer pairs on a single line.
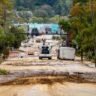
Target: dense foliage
[[83, 27], [10, 37], [60, 7]]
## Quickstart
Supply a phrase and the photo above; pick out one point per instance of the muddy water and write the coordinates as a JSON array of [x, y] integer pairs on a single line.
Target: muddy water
[[57, 89]]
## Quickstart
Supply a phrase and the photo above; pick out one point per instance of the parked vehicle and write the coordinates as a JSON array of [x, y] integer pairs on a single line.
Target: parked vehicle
[[67, 53], [45, 52]]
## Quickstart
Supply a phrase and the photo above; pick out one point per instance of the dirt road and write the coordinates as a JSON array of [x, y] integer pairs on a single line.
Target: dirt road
[[57, 89]]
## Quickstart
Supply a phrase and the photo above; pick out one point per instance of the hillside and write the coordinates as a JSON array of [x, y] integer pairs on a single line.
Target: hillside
[[48, 7]]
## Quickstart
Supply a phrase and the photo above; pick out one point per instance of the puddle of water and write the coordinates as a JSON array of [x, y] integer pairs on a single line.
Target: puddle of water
[[65, 89]]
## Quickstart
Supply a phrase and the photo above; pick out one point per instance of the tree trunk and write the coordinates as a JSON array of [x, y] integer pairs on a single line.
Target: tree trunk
[[82, 56], [68, 39], [95, 62], [95, 57]]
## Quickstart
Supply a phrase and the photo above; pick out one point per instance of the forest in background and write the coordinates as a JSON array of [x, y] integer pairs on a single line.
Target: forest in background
[[49, 7], [41, 11]]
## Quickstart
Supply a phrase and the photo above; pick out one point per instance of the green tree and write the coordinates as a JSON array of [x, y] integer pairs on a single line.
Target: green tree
[[5, 6], [89, 42], [19, 35], [2, 39], [83, 22], [66, 26]]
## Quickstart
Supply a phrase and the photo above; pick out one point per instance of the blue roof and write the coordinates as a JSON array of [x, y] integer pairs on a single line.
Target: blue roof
[[54, 27]]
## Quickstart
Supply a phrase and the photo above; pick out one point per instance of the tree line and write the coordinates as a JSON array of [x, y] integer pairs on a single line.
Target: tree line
[[56, 7], [10, 36], [82, 27], [42, 10]]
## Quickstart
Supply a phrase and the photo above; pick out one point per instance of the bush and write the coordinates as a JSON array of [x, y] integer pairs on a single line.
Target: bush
[[56, 38], [19, 36], [3, 72]]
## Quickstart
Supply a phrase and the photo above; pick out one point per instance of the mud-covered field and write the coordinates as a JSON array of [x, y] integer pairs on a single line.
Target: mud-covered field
[[55, 89]]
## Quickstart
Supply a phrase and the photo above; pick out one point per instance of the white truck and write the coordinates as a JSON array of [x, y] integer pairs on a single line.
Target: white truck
[[67, 53], [45, 52]]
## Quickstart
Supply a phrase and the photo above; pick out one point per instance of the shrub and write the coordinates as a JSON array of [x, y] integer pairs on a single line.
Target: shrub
[[3, 72], [56, 38]]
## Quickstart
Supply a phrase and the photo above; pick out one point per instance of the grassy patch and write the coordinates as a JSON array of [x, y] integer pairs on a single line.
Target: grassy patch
[[3, 72]]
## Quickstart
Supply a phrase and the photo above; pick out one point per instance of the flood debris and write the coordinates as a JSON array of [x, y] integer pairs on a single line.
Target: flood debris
[[23, 77]]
